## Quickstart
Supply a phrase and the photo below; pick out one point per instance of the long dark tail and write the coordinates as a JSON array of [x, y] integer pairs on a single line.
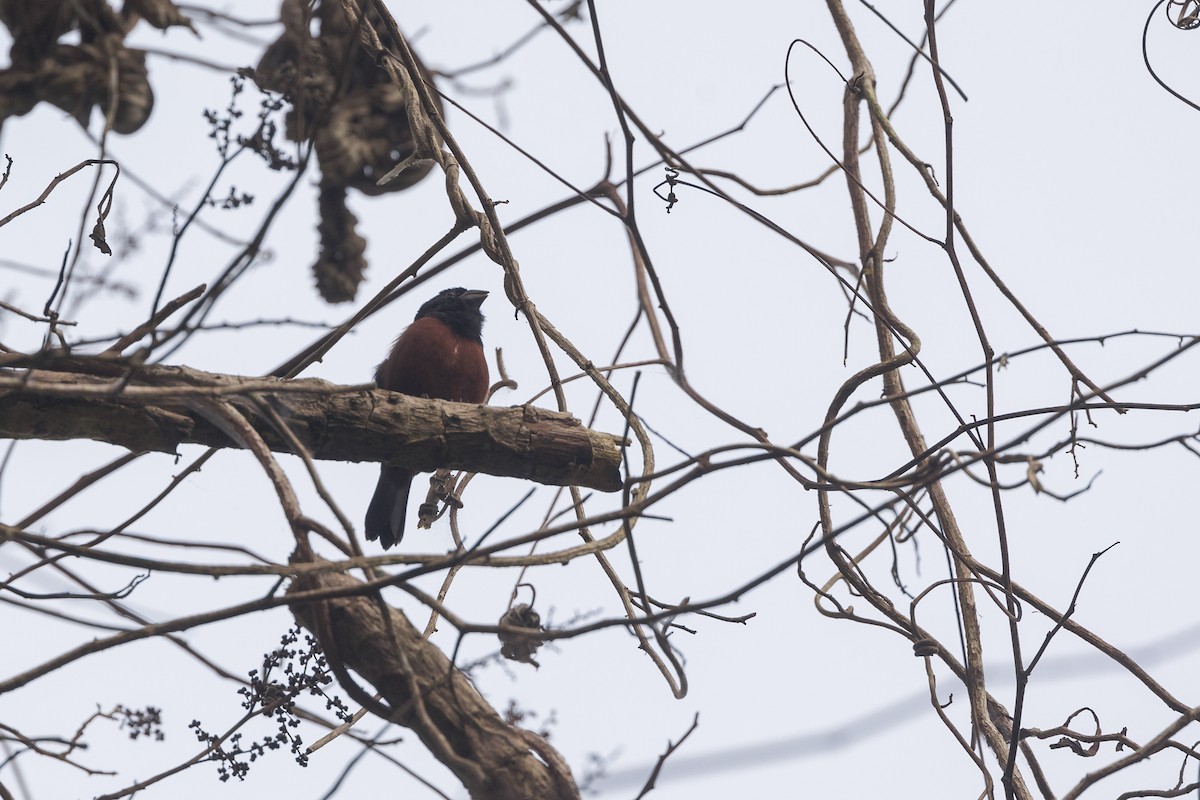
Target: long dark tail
[[385, 515]]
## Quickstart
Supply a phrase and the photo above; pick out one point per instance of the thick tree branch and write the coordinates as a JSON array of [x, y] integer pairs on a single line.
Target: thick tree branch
[[493, 759], [150, 408]]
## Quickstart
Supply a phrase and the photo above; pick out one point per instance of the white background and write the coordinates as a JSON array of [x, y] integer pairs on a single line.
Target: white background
[[1074, 172]]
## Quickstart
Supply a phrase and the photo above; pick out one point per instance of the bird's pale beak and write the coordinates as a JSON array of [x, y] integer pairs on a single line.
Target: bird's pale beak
[[474, 297]]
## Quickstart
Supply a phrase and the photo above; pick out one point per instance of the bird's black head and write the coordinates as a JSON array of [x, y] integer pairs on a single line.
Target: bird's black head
[[459, 309]]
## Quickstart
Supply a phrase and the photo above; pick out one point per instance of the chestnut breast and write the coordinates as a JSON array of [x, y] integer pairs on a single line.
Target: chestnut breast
[[430, 360]]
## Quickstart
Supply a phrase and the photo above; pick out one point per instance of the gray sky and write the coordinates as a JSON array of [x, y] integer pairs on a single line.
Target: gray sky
[[1073, 171]]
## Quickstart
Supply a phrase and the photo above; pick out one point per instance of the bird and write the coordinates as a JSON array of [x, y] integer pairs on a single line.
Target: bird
[[439, 356]]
